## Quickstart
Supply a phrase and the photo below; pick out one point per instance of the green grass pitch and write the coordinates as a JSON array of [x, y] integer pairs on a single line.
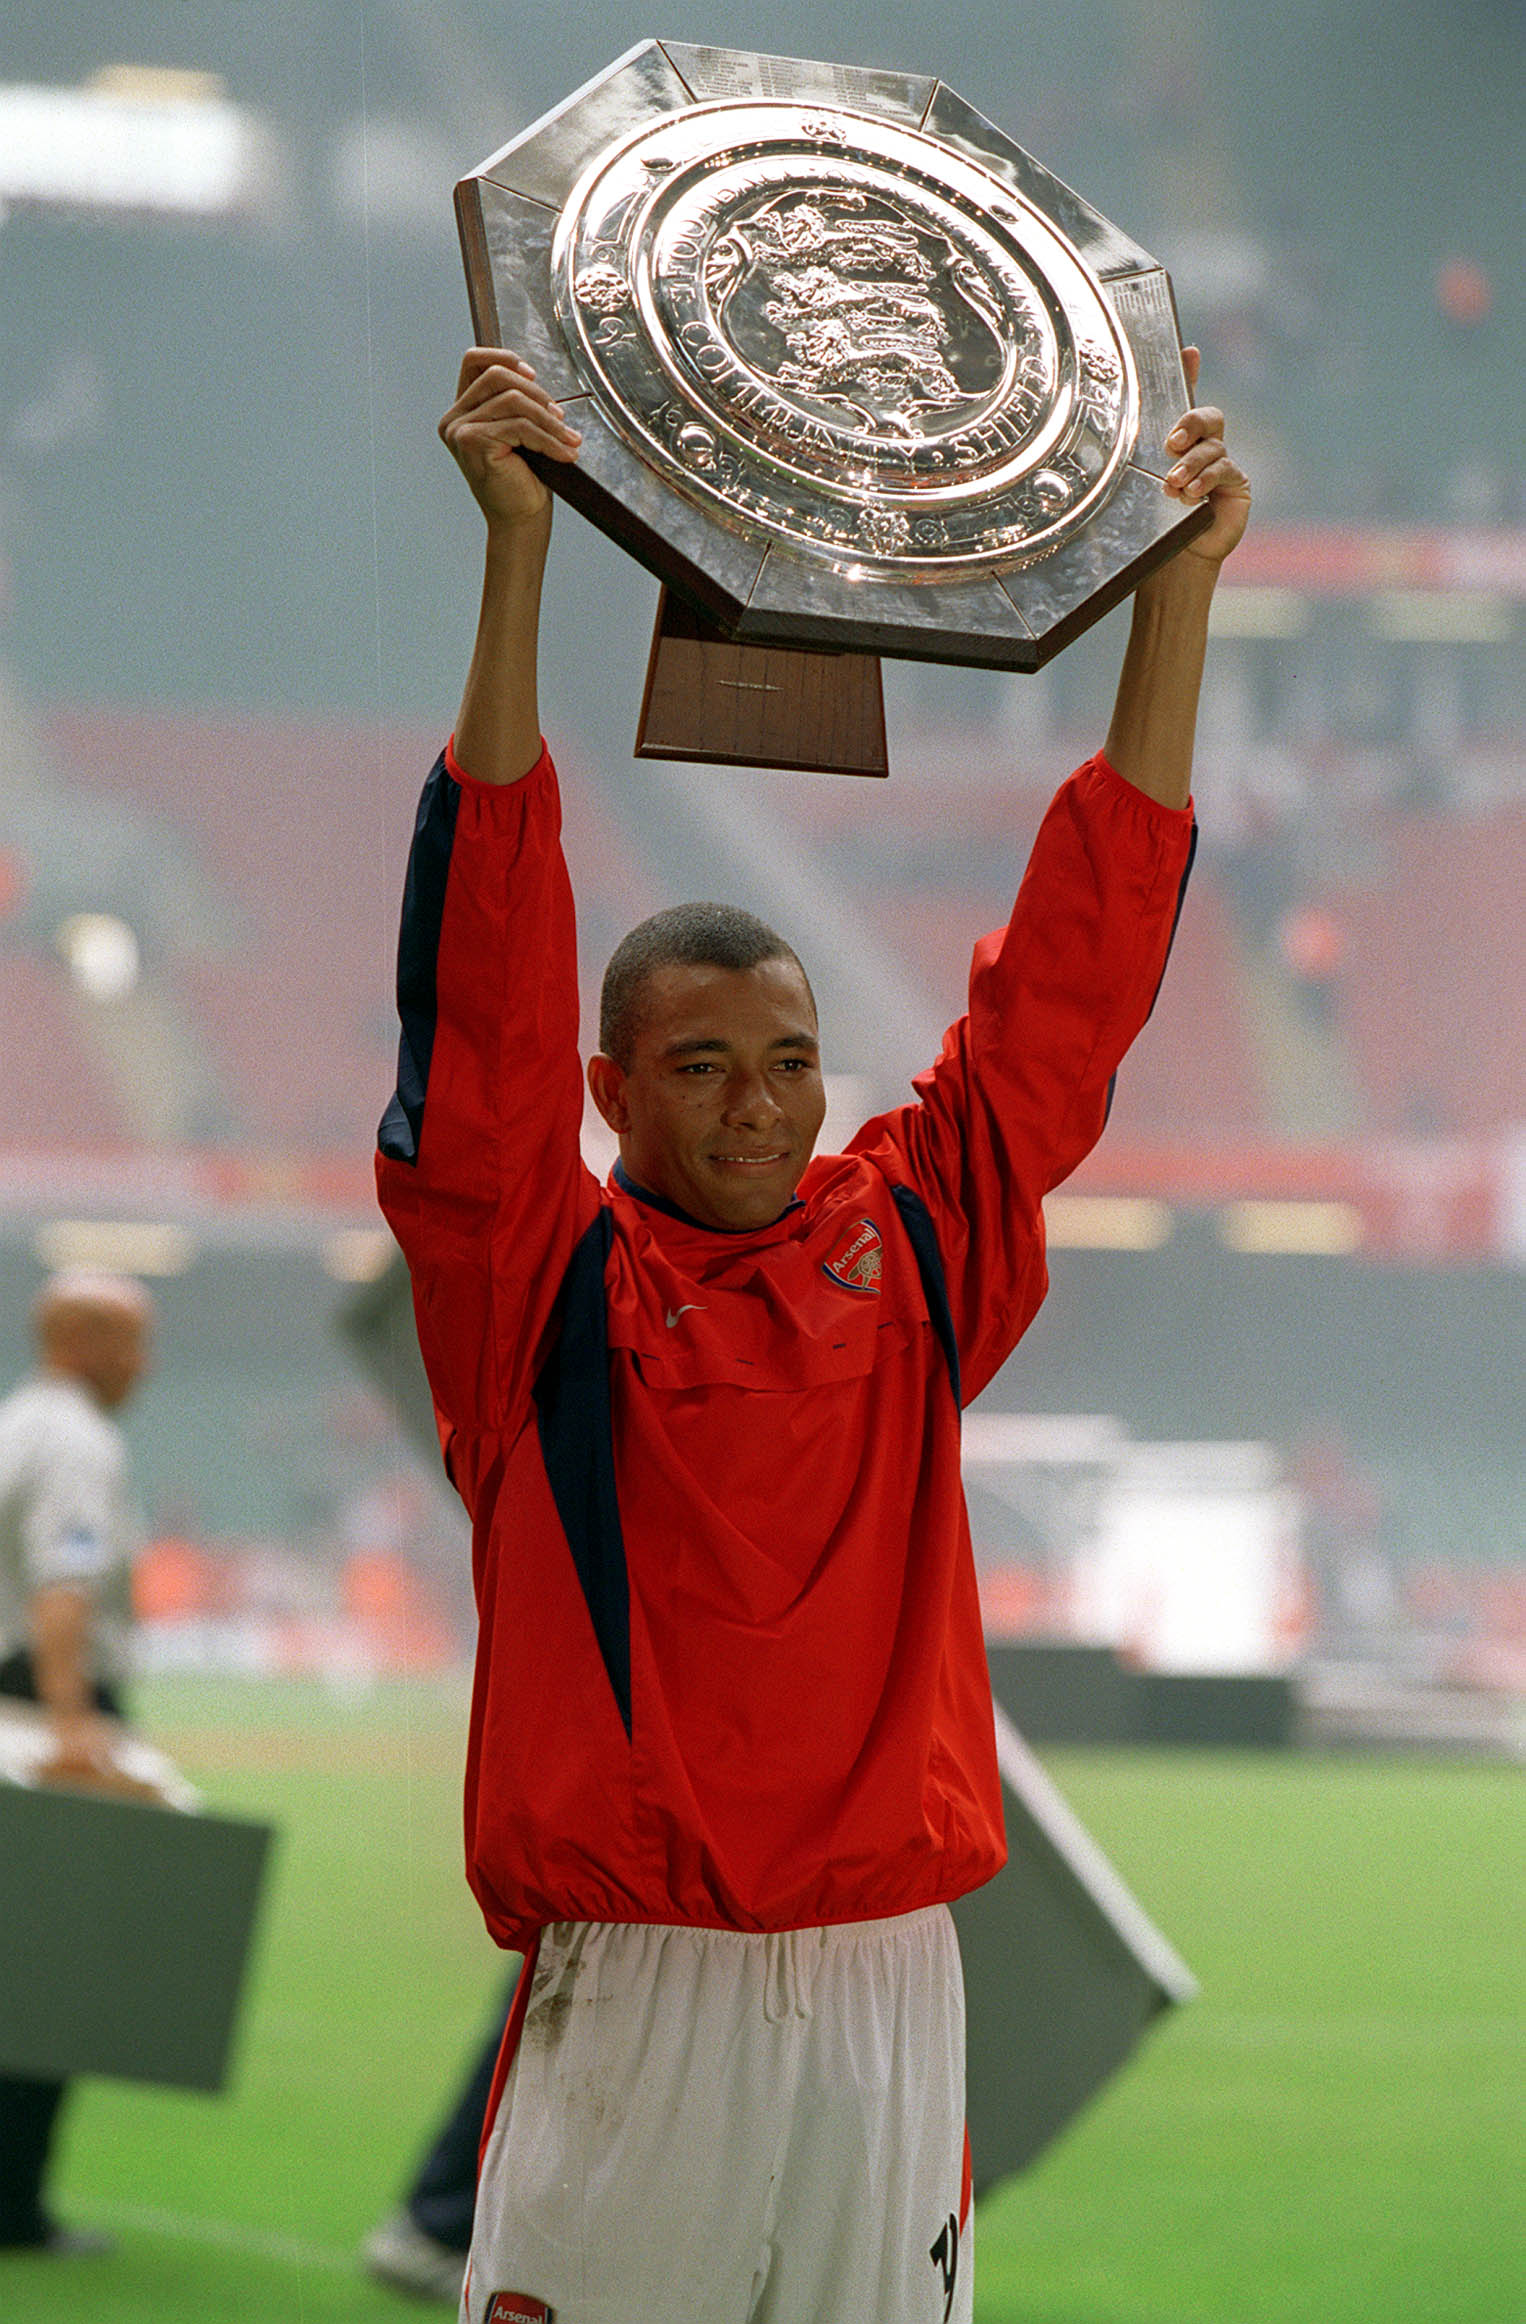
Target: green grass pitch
[[1330, 2135]]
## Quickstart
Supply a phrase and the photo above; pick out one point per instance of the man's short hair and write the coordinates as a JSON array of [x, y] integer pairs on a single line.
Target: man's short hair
[[684, 936]]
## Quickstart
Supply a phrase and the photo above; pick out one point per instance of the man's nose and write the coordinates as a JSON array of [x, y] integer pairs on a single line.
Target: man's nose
[[749, 1099]]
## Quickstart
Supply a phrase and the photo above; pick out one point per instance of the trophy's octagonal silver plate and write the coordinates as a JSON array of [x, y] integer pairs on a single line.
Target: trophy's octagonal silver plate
[[873, 354]]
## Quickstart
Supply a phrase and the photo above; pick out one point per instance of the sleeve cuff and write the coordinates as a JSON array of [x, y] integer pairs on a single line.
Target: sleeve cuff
[[1179, 815], [458, 773]]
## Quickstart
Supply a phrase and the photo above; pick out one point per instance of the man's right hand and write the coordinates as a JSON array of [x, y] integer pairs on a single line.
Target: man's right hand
[[501, 409]]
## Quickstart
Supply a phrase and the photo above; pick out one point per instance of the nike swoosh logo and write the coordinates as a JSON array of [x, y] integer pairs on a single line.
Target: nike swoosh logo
[[694, 1307]]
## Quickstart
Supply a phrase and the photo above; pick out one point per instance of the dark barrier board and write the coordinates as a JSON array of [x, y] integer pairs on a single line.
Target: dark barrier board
[[124, 1935], [1236, 1709], [1055, 1691], [1063, 1973], [1058, 1692]]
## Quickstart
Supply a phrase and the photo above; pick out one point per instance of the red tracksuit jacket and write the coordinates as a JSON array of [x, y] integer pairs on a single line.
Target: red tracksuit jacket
[[730, 1669]]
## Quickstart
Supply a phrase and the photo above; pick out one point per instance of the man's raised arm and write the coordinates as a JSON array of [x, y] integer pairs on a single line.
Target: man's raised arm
[[500, 409], [1155, 714], [1022, 1089], [479, 1170]]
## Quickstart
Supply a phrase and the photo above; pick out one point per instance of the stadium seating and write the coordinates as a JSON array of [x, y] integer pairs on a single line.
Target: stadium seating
[[1435, 998], [55, 1091], [300, 828], [295, 1006]]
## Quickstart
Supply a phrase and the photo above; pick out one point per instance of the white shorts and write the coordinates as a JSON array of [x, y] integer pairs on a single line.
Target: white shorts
[[701, 2127]]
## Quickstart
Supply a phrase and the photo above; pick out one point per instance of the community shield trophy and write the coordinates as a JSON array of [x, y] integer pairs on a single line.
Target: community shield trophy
[[855, 376]]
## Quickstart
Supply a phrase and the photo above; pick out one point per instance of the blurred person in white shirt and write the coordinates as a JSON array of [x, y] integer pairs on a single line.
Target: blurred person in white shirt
[[69, 1532]]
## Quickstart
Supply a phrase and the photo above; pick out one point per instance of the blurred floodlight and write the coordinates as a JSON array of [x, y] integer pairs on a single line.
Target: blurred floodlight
[[158, 84], [102, 954], [115, 1246], [1443, 616], [155, 143], [1238, 612], [1292, 1229], [357, 1254], [1106, 1222]]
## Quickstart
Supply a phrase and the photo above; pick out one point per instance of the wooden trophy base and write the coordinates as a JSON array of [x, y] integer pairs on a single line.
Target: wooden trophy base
[[725, 704]]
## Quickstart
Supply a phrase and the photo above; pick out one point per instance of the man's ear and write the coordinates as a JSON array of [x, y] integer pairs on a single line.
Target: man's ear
[[606, 1082]]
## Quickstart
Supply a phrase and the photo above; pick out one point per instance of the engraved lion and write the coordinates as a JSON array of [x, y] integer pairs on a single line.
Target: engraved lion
[[836, 298]]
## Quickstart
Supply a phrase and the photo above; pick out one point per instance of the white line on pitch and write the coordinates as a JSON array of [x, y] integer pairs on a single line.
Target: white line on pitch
[[227, 2235]]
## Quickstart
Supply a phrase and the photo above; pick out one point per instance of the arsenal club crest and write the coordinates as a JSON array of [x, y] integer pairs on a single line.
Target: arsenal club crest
[[518, 2308], [859, 1261]]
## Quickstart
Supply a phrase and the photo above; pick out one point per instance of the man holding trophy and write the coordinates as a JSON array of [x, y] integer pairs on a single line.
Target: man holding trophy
[[731, 1750]]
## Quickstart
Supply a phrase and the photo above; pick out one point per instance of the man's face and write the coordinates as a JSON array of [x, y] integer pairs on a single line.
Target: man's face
[[108, 1349], [722, 1102]]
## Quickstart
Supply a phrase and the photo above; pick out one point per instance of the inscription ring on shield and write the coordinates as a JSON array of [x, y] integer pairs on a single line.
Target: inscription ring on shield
[[852, 370], [831, 329]]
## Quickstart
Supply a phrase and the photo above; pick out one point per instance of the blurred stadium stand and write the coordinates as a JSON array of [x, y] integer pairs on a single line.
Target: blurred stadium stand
[[57, 1092], [1434, 1004], [236, 582]]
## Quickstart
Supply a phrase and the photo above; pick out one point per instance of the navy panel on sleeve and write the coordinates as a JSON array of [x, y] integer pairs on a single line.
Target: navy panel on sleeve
[[917, 1220], [1181, 898], [418, 950], [572, 1411]]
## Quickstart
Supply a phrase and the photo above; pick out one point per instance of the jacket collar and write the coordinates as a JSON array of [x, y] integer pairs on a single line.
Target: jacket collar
[[659, 1202]]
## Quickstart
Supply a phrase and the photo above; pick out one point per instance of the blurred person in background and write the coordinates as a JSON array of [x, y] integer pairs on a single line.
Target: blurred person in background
[[69, 1531], [731, 1751]]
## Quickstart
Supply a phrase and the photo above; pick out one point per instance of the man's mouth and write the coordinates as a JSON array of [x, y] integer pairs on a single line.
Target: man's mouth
[[768, 1161]]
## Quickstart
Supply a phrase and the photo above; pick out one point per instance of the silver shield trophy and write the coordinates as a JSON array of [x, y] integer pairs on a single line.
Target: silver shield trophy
[[855, 376]]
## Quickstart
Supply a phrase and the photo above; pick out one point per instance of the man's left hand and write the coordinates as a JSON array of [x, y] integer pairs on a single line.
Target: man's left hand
[[1205, 471]]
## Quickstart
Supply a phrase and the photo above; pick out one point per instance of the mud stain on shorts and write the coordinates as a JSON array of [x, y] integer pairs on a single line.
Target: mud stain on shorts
[[546, 2018], [546, 2021]]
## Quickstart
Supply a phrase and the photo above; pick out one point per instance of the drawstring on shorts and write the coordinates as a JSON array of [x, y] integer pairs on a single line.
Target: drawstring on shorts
[[789, 1985]]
